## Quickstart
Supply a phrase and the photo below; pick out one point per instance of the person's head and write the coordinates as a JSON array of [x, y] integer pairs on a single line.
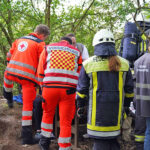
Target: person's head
[[42, 31], [68, 39], [73, 38], [104, 46]]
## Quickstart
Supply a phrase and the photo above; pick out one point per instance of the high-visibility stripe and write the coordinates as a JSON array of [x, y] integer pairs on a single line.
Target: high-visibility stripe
[[8, 81], [8, 89], [61, 75], [103, 134], [46, 133], [94, 75], [21, 72], [141, 97], [89, 116], [39, 79], [139, 138], [128, 95], [26, 113], [64, 140], [141, 85], [65, 148], [63, 48], [121, 81], [61, 71], [26, 122], [46, 126], [81, 95], [61, 79], [22, 65], [102, 128]]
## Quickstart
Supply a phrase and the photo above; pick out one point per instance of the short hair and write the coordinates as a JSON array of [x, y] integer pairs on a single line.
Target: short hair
[[42, 29], [67, 39], [70, 35]]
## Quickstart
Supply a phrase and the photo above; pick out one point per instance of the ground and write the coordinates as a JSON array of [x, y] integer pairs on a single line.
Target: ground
[[10, 136]]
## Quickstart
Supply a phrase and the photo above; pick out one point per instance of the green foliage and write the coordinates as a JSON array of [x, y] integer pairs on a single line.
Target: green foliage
[[19, 17]]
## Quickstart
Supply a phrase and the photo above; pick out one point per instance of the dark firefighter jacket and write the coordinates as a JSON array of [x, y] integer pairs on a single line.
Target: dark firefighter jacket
[[107, 92]]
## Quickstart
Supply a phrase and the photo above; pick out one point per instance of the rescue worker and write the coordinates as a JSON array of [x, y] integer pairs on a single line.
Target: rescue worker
[[24, 56], [81, 47], [141, 70], [59, 67], [105, 81]]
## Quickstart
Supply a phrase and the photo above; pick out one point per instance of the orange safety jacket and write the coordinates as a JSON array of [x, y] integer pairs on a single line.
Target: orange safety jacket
[[59, 65], [24, 57]]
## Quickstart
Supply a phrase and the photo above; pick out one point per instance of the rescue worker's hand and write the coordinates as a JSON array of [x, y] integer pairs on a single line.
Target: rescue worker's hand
[[81, 112]]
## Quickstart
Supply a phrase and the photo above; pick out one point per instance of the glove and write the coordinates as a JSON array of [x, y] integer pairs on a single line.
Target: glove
[[81, 112], [9, 98]]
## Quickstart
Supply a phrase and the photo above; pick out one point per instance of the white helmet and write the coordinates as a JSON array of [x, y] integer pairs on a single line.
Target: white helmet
[[104, 35]]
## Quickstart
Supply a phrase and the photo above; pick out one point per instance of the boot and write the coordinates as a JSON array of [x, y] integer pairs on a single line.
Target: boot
[[27, 136], [9, 97], [44, 143]]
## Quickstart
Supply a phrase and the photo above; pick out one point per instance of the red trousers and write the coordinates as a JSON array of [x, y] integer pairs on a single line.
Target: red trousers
[[66, 103], [29, 95]]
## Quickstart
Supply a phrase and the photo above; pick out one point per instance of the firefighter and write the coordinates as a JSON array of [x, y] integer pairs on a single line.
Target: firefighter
[[23, 60], [142, 90], [105, 81], [59, 67]]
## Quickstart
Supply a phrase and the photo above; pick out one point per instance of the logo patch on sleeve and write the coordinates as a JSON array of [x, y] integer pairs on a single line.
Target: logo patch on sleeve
[[22, 46]]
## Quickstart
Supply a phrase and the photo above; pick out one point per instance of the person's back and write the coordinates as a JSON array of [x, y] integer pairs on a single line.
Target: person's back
[[105, 79]]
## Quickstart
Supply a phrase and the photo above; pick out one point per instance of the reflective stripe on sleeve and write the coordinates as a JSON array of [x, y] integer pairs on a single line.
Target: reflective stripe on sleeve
[[9, 82], [128, 95], [8, 89], [139, 138], [81, 95]]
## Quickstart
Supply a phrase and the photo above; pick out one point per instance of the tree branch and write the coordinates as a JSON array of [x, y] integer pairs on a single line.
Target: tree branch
[[83, 16]]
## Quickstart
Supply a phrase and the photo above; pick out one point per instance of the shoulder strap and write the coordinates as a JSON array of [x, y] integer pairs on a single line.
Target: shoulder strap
[[33, 38]]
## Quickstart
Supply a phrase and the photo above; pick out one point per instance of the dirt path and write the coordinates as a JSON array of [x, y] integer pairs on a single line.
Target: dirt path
[[10, 132]]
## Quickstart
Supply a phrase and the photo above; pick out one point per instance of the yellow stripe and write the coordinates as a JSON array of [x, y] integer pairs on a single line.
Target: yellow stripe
[[138, 136], [120, 96], [99, 128], [81, 95], [129, 95], [94, 75]]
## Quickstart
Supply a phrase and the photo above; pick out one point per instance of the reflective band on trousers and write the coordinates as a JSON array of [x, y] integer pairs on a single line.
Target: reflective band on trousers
[[140, 85], [141, 97], [22, 65], [64, 140], [26, 122], [66, 148], [8, 89], [26, 113], [61, 79], [46, 133], [21, 72], [46, 126], [103, 134], [9, 82]]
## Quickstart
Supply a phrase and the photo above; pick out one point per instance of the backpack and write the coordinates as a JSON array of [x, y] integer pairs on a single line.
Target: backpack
[[134, 43]]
